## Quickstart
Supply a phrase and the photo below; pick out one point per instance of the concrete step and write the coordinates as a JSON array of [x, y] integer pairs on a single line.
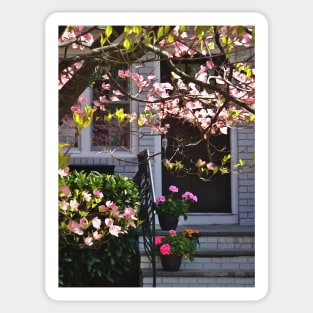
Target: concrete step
[[225, 258], [199, 278], [212, 260], [208, 269]]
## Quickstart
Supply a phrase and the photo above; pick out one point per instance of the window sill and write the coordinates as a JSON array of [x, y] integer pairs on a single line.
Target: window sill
[[125, 163]]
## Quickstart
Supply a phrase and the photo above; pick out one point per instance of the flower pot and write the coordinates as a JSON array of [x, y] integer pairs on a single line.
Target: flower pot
[[171, 262], [167, 221], [196, 243]]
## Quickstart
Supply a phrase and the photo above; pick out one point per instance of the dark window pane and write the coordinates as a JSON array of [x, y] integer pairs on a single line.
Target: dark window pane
[[110, 133]]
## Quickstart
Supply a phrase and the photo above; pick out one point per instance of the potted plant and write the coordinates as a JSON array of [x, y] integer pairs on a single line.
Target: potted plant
[[170, 207], [193, 235], [172, 248]]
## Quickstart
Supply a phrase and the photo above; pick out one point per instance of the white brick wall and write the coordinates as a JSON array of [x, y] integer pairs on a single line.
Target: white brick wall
[[199, 281], [246, 178], [124, 162]]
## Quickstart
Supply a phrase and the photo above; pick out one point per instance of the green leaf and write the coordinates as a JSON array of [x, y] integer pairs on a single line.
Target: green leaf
[[225, 158], [240, 30], [211, 45], [160, 32], [127, 44], [108, 117], [223, 170], [202, 30], [63, 158], [170, 38], [240, 163], [181, 29], [108, 31], [119, 113], [137, 30], [102, 40], [127, 29], [166, 29]]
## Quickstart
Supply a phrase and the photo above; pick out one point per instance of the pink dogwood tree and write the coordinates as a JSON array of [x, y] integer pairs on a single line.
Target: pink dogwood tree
[[218, 95]]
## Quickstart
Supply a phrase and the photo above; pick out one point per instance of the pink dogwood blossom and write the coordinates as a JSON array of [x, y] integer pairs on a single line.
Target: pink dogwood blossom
[[97, 193], [114, 230], [96, 222], [88, 241], [66, 190], [96, 235], [74, 204], [75, 228]]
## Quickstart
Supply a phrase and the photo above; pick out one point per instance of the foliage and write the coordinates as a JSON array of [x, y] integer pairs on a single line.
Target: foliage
[[114, 264], [216, 95], [98, 228], [176, 206], [93, 207], [174, 243], [63, 158]]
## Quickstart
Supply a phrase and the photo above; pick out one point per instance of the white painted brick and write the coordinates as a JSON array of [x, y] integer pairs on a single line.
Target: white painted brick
[[212, 266], [244, 282]]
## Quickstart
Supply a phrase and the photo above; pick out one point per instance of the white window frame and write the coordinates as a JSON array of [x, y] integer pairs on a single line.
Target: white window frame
[[85, 138]]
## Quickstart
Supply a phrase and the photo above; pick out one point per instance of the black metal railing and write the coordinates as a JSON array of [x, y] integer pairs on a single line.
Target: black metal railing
[[144, 181]]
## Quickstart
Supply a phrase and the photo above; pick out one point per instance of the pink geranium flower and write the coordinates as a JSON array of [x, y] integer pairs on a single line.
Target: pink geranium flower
[[160, 199], [189, 196], [173, 189], [165, 249], [158, 239]]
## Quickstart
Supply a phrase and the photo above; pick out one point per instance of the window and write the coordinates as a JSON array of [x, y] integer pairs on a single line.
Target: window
[[108, 132], [104, 132]]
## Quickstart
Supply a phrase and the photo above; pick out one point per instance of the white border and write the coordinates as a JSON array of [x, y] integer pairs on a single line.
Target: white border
[[51, 161]]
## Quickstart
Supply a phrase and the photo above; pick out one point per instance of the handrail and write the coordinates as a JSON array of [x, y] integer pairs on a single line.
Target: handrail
[[144, 181]]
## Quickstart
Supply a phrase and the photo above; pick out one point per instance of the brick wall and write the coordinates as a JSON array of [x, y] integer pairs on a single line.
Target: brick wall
[[246, 177], [125, 163]]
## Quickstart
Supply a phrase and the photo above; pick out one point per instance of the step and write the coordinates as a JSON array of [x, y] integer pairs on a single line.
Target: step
[[216, 229], [225, 258], [212, 260], [208, 269], [199, 278], [218, 236]]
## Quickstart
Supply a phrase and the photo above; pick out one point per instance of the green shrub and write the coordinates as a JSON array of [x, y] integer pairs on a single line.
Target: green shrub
[[98, 230]]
